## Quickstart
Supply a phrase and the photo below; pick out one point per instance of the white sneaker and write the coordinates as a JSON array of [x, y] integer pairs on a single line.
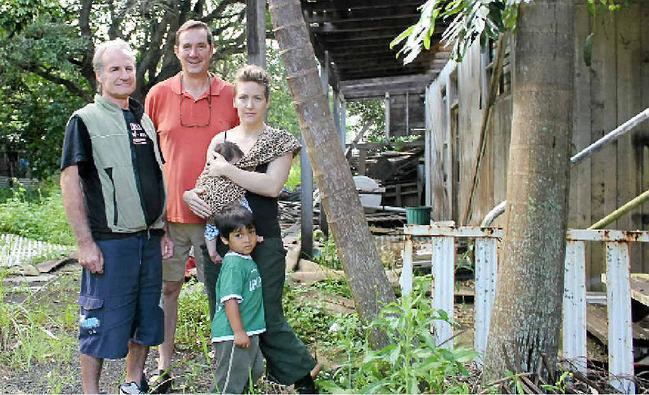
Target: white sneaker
[[130, 388]]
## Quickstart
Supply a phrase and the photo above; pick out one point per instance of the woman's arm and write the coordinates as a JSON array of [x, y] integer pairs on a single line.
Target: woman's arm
[[269, 183]]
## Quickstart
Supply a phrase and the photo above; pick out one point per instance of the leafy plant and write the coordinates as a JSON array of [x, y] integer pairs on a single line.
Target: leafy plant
[[412, 363], [469, 20]]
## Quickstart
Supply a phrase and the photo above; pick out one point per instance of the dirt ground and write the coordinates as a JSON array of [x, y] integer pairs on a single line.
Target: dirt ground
[[58, 372]]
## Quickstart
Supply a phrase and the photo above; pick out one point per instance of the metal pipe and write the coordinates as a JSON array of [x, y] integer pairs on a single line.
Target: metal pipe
[[583, 154], [610, 137], [630, 205], [493, 214]]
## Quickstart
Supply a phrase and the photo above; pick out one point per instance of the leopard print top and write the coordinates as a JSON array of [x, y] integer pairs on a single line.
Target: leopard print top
[[220, 191]]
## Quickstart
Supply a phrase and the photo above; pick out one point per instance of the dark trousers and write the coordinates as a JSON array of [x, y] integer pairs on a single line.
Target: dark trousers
[[287, 358]]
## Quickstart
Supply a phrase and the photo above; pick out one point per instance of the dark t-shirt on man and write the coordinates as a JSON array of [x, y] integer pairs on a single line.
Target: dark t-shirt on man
[[77, 150]]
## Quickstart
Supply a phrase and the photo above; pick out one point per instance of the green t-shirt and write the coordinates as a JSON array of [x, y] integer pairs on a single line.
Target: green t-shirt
[[239, 279]]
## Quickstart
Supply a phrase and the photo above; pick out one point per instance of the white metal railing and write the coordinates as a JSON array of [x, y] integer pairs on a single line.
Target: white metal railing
[[620, 335]]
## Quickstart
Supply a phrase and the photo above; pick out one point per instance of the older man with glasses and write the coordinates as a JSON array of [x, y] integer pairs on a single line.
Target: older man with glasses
[[187, 110]]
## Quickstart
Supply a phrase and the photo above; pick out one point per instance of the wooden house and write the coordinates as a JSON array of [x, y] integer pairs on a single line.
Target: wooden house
[[611, 86]]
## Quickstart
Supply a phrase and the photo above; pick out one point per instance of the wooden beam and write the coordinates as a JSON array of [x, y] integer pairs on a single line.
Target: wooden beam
[[352, 36], [380, 73], [256, 32], [356, 5], [362, 26], [379, 14], [416, 78], [387, 68], [369, 92]]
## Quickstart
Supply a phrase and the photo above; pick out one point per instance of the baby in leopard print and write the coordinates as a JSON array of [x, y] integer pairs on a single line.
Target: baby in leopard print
[[232, 153]]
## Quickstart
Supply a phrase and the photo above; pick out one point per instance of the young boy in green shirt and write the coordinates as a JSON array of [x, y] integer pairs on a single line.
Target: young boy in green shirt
[[239, 316]]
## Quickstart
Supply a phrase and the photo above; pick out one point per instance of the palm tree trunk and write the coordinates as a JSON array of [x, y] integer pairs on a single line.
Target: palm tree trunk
[[527, 311], [356, 249]]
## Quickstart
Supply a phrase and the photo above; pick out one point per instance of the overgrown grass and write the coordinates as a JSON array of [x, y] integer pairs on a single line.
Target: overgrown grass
[[193, 329], [37, 214], [37, 330]]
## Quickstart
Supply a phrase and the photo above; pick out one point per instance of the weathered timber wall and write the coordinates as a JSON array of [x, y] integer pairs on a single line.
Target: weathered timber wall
[[398, 113], [611, 90]]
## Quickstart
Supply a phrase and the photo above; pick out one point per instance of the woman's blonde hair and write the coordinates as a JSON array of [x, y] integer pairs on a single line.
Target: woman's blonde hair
[[253, 73]]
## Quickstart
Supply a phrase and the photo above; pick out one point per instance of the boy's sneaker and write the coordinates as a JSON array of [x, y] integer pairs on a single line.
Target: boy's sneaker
[[130, 388]]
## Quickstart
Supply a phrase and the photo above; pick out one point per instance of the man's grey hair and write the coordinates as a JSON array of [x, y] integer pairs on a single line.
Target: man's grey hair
[[98, 58]]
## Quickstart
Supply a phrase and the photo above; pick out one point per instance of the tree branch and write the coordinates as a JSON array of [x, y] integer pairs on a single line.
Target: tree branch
[[48, 75]]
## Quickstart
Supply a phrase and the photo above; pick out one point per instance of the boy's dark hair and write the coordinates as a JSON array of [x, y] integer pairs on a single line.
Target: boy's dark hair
[[233, 217], [229, 150]]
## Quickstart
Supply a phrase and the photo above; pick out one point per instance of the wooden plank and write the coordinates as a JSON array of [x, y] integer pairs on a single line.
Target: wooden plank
[[579, 215], [335, 5], [603, 119], [640, 287], [620, 331], [501, 121], [643, 70], [629, 55], [574, 305], [485, 291], [597, 324], [443, 260], [469, 118]]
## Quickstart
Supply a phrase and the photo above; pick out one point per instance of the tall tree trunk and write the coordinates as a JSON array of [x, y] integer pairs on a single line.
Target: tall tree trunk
[[527, 310], [356, 249]]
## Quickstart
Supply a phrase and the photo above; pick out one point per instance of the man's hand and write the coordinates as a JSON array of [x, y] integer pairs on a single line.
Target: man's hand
[[241, 339], [196, 204], [90, 257], [166, 247]]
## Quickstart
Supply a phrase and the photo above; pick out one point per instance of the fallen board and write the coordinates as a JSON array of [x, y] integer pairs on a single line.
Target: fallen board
[[597, 324], [640, 287]]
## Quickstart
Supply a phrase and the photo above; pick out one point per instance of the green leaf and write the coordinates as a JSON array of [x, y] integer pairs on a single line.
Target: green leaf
[[404, 34]]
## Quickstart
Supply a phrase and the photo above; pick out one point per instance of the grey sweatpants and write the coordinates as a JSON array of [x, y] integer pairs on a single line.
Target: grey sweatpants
[[236, 367]]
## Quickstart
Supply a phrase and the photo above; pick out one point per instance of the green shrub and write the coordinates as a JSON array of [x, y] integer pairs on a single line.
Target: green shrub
[[411, 363], [36, 214]]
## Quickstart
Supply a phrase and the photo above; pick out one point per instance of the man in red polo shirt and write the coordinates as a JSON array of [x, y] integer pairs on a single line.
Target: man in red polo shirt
[[188, 110]]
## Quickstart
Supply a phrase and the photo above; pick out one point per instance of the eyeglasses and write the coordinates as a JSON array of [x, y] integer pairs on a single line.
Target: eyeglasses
[[195, 121]]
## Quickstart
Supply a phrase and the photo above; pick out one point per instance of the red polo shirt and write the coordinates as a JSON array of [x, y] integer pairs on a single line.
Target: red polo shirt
[[186, 128]]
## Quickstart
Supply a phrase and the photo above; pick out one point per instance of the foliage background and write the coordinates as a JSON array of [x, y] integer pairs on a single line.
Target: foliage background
[[46, 49]]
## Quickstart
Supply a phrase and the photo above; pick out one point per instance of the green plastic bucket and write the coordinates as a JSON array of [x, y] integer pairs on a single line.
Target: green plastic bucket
[[418, 215]]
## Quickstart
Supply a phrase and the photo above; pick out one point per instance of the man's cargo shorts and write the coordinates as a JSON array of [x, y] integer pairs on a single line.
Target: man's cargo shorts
[[123, 302]]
